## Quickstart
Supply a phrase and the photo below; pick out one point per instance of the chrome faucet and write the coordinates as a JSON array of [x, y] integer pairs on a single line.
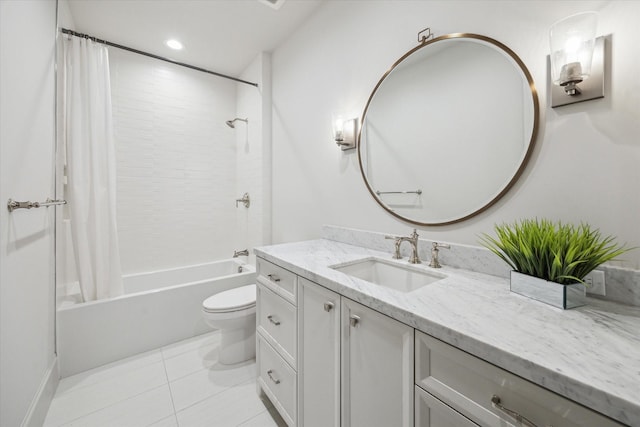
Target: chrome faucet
[[244, 252], [435, 248], [413, 241]]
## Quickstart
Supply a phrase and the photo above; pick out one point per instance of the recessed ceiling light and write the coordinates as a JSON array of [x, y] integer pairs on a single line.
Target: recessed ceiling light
[[174, 44]]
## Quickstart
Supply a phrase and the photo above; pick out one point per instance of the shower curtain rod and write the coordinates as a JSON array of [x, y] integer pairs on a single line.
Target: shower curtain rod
[[151, 55]]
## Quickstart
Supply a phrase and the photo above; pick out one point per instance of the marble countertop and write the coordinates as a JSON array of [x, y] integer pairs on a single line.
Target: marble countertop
[[589, 354]]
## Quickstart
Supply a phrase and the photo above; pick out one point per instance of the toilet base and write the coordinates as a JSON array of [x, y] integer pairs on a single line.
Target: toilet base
[[237, 345]]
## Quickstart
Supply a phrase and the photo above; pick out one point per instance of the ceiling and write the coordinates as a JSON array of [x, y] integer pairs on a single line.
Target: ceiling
[[220, 35]]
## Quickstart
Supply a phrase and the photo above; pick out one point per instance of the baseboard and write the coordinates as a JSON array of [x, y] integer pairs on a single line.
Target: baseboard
[[40, 405]]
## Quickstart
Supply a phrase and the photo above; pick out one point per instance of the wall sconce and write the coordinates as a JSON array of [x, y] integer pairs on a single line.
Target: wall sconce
[[577, 57], [344, 132]]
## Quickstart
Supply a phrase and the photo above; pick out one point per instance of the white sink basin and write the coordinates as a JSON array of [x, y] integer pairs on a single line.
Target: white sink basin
[[401, 277]]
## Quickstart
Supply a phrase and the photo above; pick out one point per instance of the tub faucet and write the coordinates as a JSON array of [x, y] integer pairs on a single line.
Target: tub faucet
[[244, 252], [413, 241]]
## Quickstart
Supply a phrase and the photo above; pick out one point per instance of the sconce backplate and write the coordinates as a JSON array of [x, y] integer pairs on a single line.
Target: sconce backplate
[[350, 130], [591, 88]]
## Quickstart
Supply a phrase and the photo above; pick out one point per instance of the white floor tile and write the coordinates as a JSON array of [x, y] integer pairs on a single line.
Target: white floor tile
[[143, 410], [73, 404], [172, 350], [265, 419], [136, 392], [101, 373], [202, 357], [205, 383], [228, 408], [166, 422]]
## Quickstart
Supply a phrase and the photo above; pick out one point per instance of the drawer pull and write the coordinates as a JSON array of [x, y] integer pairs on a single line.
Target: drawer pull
[[273, 278], [328, 306], [354, 320], [495, 402], [270, 373], [275, 322]]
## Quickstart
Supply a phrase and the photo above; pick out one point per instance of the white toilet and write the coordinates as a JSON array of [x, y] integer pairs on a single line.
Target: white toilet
[[234, 313]]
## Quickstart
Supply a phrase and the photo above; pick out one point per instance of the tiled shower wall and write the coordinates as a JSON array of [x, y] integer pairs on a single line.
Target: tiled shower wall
[[176, 168], [176, 163]]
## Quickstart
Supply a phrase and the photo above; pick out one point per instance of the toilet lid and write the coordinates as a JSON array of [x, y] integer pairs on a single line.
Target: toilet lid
[[231, 300]]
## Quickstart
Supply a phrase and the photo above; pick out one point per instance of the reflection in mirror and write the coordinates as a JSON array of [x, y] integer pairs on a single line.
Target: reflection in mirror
[[448, 129]]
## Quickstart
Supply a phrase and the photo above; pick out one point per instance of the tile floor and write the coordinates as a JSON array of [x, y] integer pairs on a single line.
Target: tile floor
[[180, 385]]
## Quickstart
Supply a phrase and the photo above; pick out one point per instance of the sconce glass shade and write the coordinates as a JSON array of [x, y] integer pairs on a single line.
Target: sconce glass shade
[[572, 41], [338, 127]]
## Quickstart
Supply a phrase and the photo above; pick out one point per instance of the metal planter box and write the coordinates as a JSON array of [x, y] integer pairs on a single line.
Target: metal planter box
[[555, 294]]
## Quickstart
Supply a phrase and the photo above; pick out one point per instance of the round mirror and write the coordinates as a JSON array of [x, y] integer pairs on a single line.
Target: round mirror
[[448, 129]]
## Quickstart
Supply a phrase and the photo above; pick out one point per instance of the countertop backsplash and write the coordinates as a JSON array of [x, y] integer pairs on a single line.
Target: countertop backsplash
[[622, 284]]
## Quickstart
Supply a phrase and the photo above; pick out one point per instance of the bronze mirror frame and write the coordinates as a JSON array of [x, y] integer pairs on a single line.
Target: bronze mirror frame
[[534, 131]]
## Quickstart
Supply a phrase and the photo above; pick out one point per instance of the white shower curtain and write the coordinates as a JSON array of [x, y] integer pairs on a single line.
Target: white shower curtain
[[91, 167]]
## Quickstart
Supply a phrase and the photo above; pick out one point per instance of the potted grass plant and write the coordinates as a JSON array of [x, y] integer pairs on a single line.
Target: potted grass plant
[[550, 260]]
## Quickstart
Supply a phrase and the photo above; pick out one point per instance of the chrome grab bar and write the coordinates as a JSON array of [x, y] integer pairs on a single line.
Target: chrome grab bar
[[13, 205], [418, 191]]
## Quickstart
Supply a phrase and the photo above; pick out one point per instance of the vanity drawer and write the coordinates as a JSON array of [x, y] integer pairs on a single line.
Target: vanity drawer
[[430, 412], [277, 380], [468, 384], [281, 281], [276, 321]]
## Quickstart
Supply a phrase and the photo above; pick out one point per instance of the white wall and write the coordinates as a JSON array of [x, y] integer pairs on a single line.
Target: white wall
[[27, 133], [586, 163]]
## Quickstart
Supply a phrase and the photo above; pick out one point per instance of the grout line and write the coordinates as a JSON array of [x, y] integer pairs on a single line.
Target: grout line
[[246, 421], [84, 376], [195, 338], [166, 375], [226, 390], [72, 421]]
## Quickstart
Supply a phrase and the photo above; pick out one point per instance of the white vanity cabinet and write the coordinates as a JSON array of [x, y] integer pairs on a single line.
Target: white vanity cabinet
[[277, 335], [377, 369], [484, 394], [319, 356], [327, 361], [355, 365]]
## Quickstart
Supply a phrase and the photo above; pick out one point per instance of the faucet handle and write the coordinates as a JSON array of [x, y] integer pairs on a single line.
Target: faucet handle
[[435, 247], [397, 240]]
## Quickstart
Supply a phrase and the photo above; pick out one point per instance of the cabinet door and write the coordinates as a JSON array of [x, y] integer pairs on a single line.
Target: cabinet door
[[319, 358], [430, 412], [377, 369]]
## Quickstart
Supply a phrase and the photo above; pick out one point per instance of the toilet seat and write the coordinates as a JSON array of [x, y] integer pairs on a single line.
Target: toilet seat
[[236, 299]]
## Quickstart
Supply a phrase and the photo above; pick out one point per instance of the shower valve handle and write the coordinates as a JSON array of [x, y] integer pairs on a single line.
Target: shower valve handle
[[244, 200]]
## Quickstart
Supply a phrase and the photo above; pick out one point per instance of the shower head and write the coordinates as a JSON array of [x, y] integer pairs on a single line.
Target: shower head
[[231, 124]]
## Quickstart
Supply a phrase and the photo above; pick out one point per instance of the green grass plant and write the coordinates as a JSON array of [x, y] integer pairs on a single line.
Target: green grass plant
[[557, 252]]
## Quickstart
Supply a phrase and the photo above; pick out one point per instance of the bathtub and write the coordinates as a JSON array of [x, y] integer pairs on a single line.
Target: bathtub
[[158, 308]]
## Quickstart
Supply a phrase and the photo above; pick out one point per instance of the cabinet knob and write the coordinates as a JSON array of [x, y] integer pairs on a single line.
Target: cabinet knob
[[275, 322], [496, 403], [354, 320], [328, 306], [273, 277], [270, 373]]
